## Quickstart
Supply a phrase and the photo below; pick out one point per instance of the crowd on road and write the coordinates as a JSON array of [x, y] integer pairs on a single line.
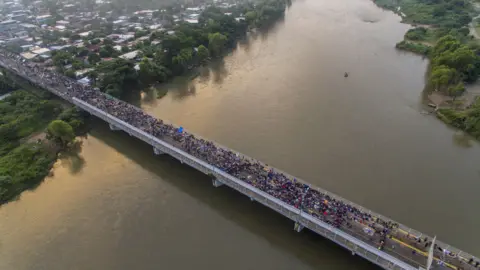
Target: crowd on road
[[327, 208]]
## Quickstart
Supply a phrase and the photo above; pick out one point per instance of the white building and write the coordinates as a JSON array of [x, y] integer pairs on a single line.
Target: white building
[[62, 22], [28, 55], [119, 22], [85, 34], [43, 18], [192, 20], [41, 51], [155, 27], [80, 73], [130, 55], [85, 81]]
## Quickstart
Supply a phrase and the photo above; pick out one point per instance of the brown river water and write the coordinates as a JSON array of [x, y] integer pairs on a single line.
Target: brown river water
[[280, 97]]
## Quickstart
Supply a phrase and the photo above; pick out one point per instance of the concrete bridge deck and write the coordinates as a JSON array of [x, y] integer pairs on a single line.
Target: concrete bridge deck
[[401, 250]]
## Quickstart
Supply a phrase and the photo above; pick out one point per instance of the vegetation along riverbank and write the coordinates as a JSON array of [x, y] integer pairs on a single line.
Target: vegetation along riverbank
[[441, 33], [117, 52], [156, 56], [34, 129]]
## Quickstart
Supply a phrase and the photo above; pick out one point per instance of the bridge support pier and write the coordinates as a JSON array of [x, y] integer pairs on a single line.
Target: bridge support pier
[[157, 151], [298, 227], [112, 127], [216, 183]]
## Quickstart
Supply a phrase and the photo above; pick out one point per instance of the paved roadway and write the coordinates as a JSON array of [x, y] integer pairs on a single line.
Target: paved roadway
[[398, 243]]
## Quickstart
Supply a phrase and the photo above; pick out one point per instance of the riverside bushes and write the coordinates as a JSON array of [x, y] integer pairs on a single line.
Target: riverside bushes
[[24, 164], [418, 48]]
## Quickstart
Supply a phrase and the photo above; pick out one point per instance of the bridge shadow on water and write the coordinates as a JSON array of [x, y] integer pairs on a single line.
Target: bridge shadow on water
[[314, 250]]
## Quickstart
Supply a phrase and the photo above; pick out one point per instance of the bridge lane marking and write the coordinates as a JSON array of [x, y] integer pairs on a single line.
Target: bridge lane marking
[[421, 252]]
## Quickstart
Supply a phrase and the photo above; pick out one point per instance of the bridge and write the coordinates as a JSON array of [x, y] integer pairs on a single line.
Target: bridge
[[400, 247]]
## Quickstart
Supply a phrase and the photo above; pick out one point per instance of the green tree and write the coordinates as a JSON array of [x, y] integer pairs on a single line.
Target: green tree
[[171, 44], [442, 76], [118, 75], [134, 18], [182, 60], [461, 58], [95, 41], [93, 75], [6, 83], [250, 17], [70, 73], [93, 58], [125, 49], [148, 51], [456, 90], [151, 72], [75, 37], [104, 53], [62, 58], [446, 43], [73, 117], [61, 131], [83, 52], [140, 33], [107, 41], [216, 43], [202, 53], [78, 64]]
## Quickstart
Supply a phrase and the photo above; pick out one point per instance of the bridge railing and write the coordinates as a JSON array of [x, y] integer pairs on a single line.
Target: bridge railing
[[405, 229], [347, 241], [64, 94]]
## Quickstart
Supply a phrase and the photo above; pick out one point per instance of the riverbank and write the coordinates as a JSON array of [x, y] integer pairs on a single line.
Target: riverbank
[[180, 48], [26, 152], [449, 39]]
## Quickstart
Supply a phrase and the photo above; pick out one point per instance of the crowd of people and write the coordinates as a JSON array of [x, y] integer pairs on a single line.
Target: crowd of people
[[331, 210]]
